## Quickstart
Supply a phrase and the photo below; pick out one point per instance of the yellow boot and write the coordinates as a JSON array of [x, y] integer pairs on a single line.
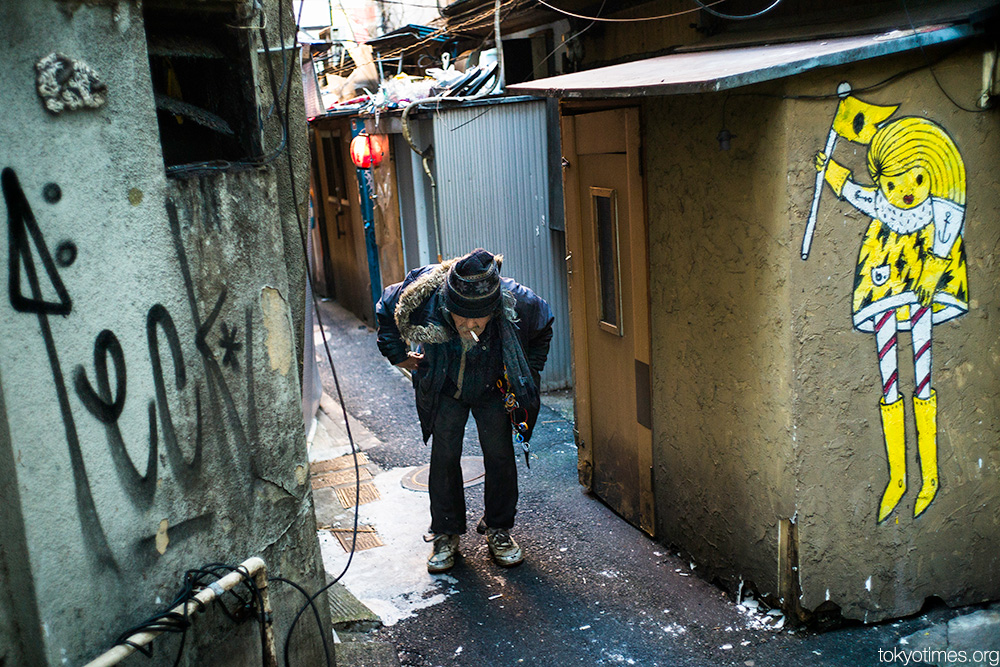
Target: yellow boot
[[925, 414], [894, 433]]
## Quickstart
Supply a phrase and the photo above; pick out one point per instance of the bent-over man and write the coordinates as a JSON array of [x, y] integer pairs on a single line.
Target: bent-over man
[[483, 341]]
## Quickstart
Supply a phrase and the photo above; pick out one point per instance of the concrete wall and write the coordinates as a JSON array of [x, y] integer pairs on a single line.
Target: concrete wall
[[149, 369], [874, 570], [721, 336], [765, 397]]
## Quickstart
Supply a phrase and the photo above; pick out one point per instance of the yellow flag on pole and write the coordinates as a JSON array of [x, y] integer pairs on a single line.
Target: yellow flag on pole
[[857, 121]]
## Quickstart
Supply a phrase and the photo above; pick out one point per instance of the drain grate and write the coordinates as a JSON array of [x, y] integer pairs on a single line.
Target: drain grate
[[367, 492], [337, 477], [339, 463], [367, 538]]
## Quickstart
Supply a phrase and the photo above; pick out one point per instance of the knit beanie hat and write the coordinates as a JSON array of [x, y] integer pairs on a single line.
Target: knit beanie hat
[[472, 288]]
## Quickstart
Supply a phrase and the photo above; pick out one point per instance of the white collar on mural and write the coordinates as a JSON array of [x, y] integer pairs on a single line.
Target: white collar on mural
[[900, 220]]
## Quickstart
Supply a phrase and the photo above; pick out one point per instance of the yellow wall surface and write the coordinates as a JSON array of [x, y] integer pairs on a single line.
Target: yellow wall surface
[[766, 397], [721, 335], [875, 569]]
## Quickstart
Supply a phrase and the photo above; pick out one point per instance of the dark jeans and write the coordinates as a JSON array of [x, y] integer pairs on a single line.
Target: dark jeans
[[445, 483]]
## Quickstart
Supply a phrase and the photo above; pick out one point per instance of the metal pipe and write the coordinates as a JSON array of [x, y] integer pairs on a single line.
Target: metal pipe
[[253, 567], [425, 161], [499, 43], [434, 205]]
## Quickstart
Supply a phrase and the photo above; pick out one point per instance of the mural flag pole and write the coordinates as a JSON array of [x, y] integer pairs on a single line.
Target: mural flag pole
[[843, 90], [831, 142]]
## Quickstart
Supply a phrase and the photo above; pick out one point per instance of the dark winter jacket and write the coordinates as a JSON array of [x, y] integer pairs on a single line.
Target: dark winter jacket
[[412, 311]]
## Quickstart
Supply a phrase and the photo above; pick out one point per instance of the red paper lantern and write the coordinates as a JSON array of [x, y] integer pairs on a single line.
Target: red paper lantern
[[367, 150]]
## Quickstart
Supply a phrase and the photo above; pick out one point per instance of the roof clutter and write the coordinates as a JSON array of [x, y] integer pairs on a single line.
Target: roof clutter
[[410, 64]]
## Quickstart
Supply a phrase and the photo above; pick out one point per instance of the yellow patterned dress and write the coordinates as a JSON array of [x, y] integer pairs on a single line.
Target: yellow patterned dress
[[892, 258]]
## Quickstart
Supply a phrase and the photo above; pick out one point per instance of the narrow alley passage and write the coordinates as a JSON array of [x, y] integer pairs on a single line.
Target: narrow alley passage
[[593, 590]]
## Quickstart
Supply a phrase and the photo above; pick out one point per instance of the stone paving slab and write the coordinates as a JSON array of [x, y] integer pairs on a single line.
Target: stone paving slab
[[972, 639], [366, 654], [329, 439], [330, 456], [347, 613]]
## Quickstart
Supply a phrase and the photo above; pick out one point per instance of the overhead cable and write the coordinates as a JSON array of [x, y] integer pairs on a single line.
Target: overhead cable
[[736, 17], [632, 20]]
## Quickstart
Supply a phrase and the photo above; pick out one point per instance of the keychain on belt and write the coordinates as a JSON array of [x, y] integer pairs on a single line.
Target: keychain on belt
[[512, 406]]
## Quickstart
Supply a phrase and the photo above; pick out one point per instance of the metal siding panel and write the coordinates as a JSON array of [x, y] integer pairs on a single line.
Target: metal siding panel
[[493, 192]]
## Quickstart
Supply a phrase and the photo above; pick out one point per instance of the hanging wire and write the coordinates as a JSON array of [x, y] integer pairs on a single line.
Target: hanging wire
[[441, 32], [632, 20], [830, 96], [283, 118], [737, 17], [565, 42], [195, 580], [944, 92]]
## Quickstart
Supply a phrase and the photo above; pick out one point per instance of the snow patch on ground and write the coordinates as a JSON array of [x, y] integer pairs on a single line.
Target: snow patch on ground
[[616, 658], [673, 629], [391, 580], [755, 617]]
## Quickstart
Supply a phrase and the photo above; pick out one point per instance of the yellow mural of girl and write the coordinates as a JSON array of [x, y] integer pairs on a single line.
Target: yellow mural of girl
[[910, 275]]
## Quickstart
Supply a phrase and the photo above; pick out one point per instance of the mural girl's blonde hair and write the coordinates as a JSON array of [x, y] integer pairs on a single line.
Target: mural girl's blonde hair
[[917, 142]]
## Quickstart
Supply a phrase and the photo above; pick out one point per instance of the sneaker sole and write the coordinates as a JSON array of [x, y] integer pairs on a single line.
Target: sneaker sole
[[505, 564], [443, 567]]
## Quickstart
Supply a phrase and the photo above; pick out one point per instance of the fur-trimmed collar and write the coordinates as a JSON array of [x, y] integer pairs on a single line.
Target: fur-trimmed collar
[[412, 298], [416, 294]]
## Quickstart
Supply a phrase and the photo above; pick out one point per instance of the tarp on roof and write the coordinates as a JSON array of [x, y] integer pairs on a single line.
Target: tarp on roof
[[409, 34], [723, 69]]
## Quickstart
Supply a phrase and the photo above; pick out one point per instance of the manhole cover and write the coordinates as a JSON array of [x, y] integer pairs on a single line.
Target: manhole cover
[[473, 473]]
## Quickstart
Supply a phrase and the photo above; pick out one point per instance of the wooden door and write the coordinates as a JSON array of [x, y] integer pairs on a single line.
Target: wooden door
[[606, 235], [345, 237]]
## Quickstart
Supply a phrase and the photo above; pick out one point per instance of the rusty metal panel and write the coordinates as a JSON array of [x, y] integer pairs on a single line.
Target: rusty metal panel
[[494, 189], [723, 69]]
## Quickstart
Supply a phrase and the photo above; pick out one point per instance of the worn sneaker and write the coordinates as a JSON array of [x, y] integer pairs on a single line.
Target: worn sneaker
[[443, 556], [503, 548]]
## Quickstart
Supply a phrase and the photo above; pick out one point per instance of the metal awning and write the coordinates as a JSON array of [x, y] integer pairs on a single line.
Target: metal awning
[[723, 69]]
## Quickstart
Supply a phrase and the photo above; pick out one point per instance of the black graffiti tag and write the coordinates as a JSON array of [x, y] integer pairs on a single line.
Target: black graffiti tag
[[104, 391], [20, 224]]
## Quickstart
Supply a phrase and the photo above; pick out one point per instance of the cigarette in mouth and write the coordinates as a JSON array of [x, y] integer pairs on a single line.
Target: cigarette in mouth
[[474, 336]]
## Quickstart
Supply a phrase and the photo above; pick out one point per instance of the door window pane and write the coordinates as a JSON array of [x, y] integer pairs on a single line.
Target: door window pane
[[606, 227]]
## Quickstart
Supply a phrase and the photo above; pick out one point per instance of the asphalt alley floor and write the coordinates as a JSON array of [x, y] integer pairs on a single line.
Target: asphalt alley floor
[[593, 590]]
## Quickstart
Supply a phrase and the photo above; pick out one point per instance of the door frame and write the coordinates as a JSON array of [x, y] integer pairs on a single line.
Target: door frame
[[638, 320]]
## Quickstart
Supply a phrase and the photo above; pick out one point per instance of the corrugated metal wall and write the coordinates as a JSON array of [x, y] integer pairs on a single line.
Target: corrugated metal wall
[[496, 190]]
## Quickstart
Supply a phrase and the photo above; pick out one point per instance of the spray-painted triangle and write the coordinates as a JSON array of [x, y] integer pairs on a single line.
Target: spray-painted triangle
[[24, 233]]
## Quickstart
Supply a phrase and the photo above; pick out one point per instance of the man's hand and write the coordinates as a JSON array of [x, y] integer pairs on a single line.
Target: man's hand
[[411, 362]]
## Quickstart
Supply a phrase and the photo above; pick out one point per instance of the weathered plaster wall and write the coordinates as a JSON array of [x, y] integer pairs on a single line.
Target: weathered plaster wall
[[20, 641], [721, 336], [152, 406], [875, 570], [293, 227], [766, 400]]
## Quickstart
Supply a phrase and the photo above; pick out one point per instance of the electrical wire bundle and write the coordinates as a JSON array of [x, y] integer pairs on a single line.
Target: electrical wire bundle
[[170, 621]]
